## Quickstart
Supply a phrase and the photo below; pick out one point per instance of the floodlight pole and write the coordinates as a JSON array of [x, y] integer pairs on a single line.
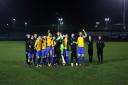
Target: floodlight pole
[[13, 23], [124, 14], [60, 23], [58, 27], [106, 22], [25, 25]]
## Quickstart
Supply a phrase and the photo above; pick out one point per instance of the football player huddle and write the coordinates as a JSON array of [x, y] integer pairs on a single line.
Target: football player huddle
[[59, 49]]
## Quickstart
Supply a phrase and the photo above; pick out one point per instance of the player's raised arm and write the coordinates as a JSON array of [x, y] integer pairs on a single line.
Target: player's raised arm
[[85, 34], [35, 45], [48, 31]]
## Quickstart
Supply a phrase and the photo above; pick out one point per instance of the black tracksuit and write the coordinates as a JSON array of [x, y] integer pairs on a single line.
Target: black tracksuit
[[90, 50], [31, 46], [73, 49], [27, 48], [57, 51], [100, 46], [34, 59]]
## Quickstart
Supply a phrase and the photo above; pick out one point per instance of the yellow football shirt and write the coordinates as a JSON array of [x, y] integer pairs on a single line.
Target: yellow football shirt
[[38, 45], [44, 44], [65, 43], [49, 41], [80, 42]]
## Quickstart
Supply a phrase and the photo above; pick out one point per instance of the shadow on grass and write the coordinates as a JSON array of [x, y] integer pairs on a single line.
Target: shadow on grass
[[95, 62], [110, 61], [115, 60], [87, 64]]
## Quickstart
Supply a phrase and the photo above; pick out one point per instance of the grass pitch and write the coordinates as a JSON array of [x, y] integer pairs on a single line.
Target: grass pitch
[[14, 71]]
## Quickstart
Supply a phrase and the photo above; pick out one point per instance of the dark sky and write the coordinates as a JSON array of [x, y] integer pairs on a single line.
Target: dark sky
[[73, 11]]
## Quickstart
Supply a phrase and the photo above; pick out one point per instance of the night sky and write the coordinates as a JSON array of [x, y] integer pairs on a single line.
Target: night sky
[[38, 12]]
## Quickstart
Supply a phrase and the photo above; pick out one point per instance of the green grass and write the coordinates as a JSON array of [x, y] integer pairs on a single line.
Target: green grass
[[114, 70]]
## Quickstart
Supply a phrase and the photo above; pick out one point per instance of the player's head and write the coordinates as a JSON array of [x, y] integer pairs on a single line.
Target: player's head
[[66, 36], [39, 38], [80, 34], [58, 33], [44, 37], [61, 35], [49, 34], [99, 37], [54, 38], [28, 35], [72, 35], [32, 37], [35, 35], [90, 37]]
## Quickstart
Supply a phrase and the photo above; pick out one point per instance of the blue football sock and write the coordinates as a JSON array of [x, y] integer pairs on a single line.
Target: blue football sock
[[83, 60], [53, 62], [67, 59], [43, 60], [78, 59], [37, 61], [51, 59]]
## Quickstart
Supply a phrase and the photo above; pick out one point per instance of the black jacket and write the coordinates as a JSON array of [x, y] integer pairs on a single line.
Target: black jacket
[[58, 43], [100, 45], [73, 43], [31, 45], [27, 43], [90, 44]]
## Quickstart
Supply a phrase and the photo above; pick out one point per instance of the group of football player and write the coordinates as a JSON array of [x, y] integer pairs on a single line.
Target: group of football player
[[61, 49]]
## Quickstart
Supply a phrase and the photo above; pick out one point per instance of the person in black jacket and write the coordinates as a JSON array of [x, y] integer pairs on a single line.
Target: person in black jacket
[[57, 50], [100, 46], [31, 50], [34, 59], [66, 48], [27, 38], [73, 44], [90, 48]]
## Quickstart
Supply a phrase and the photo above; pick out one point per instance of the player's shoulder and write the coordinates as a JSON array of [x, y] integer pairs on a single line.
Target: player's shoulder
[[47, 37], [37, 41], [78, 37]]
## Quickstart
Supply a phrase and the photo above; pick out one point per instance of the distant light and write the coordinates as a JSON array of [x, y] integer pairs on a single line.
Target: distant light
[[14, 19], [25, 23], [60, 19], [97, 23], [7, 24], [62, 23], [107, 19]]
